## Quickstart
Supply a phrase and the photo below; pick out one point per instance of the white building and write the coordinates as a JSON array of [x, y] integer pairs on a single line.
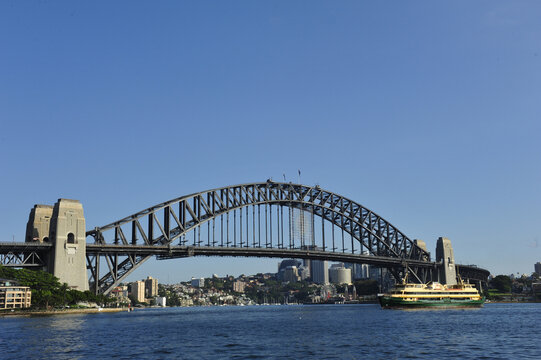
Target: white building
[[161, 301], [338, 274]]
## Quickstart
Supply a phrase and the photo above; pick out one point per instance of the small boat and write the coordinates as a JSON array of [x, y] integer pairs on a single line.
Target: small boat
[[432, 295]]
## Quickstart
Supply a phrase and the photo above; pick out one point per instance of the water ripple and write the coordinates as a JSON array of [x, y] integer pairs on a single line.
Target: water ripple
[[498, 331]]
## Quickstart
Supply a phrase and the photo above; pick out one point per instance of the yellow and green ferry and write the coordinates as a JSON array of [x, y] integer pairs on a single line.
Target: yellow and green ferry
[[432, 295]]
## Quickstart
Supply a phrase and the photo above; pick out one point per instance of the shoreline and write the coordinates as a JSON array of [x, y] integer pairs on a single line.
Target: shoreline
[[19, 312], [29, 313]]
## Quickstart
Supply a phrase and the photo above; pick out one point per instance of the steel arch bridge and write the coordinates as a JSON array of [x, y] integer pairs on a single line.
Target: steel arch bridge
[[248, 220]]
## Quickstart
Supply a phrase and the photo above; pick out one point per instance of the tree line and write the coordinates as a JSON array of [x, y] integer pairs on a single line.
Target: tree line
[[47, 291]]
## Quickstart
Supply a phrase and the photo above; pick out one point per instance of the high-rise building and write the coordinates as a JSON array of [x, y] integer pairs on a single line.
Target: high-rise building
[[288, 262], [151, 287], [338, 274], [302, 226], [284, 264], [320, 274], [383, 277], [291, 274], [375, 273], [353, 268], [138, 290], [307, 263], [537, 267], [365, 271], [359, 271], [304, 272]]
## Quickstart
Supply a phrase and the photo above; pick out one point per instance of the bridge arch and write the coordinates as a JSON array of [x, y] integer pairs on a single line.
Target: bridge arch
[[372, 237]]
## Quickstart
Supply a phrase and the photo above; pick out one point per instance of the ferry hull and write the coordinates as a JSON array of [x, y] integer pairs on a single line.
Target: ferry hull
[[388, 302]]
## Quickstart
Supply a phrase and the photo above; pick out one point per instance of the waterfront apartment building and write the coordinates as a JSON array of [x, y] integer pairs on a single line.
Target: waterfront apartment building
[[151, 287], [138, 290], [238, 286], [14, 296], [537, 267]]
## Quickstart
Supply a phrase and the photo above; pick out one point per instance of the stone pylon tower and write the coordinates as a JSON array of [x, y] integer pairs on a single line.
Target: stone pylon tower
[[37, 228], [446, 257], [63, 225], [68, 234]]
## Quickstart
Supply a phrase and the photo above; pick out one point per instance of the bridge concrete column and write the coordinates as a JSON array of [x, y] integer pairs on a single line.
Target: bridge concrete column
[[68, 235], [445, 256]]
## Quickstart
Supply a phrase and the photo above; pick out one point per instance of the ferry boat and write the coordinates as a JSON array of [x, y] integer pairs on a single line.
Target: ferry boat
[[432, 295]]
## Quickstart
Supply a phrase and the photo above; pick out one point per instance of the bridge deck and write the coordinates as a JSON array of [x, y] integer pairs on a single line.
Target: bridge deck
[[168, 252], [23, 246]]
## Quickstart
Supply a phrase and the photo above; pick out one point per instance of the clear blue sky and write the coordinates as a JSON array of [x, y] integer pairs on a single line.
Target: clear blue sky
[[428, 113]]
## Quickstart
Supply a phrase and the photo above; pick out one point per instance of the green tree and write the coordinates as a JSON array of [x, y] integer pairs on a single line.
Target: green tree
[[162, 291], [47, 290], [502, 283]]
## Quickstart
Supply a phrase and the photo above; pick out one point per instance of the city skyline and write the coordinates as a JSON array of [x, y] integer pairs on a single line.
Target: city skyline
[[436, 131], [132, 278]]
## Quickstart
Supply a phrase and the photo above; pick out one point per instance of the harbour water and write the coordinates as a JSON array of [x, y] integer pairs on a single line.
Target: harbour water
[[496, 331]]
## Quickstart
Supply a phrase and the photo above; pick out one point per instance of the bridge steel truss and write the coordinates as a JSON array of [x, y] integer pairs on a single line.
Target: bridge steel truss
[[24, 255], [127, 243]]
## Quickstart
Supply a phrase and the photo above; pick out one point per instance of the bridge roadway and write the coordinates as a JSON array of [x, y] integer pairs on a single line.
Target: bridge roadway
[[6, 247], [163, 252], [23, 254], [169, 252], [20, 252]]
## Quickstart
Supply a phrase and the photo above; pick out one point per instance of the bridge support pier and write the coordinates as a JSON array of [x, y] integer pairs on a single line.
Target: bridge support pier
[[68, 234], [446, 257], [63, 225], [37, 228]]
